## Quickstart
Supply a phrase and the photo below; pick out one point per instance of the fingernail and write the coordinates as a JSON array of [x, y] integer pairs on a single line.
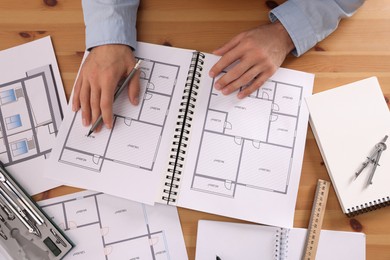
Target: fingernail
[[136, 101], [211, 74], [225, 91], [240, 95], [108, 126], [217, 86], [84, 122]]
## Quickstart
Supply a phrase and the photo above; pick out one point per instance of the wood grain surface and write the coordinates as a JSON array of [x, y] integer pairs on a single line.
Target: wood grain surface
[[360, 48]]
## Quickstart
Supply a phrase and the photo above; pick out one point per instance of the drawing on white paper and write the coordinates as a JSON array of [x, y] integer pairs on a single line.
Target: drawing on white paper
[[235, 153], [29, 117], [111, 228], [125, 144]]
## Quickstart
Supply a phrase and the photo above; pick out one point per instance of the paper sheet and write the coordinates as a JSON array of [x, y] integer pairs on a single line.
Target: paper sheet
[[128, 160], [32, 101], [231, 241], [105, 227], [245, 155]]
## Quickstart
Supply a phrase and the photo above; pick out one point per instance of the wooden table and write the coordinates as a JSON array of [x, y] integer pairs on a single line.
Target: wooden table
[[358, 49]]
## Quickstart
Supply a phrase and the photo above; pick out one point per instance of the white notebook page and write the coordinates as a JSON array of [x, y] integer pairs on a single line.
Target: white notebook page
[[231, 241], [348, 122]]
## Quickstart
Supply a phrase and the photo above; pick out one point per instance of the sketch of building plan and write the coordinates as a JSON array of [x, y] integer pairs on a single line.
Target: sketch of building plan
[[105, 227], [157, 82], [232, 154], [32, 100], [122, 161], [246, 154]]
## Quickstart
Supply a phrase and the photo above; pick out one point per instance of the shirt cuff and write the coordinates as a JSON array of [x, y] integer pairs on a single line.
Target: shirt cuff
[[111, 32], [110, 22], [299, 29]]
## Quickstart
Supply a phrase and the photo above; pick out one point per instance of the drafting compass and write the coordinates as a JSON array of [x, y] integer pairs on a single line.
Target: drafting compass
[[374, 159]]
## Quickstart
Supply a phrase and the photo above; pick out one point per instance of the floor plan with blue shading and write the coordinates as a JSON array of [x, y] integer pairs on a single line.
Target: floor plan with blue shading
[[29, 117], [32, 105], [135, 137], [105, 227], [236, 152]]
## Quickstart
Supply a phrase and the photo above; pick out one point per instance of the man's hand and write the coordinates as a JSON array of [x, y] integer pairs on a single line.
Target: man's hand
[[258, 53], [94, 90]]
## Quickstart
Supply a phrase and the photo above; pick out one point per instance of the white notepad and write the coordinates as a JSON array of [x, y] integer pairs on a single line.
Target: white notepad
[[348, 122], [247, 241]]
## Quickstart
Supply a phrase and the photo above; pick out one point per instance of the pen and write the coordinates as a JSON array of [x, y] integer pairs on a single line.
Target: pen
[[116, 95]]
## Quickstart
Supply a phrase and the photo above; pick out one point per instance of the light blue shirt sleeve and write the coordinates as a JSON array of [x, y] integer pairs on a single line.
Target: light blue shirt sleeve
[[310, 21], [110, 22]]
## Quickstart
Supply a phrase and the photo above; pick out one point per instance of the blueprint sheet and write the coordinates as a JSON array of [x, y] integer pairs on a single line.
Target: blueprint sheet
[[128, 160], [32, 101], [105, 227], [245, 156]]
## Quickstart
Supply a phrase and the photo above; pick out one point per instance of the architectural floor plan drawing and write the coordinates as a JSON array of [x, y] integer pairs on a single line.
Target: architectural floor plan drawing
[[238, 152], [29, 119], [105, 227], [32, 105], [134, 140]]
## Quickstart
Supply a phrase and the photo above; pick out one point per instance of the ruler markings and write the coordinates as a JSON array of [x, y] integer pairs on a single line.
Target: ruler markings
[[316, 218]]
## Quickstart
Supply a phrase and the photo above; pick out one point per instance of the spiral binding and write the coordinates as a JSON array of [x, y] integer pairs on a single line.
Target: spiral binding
[[181, 137], [281, 244], [370, 206]]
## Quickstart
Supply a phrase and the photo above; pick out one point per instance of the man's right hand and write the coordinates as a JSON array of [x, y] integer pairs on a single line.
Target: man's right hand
[[94, 90]]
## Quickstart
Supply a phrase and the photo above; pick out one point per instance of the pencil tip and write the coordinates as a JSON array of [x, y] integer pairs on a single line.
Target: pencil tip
[[89, 133], [137, 64]]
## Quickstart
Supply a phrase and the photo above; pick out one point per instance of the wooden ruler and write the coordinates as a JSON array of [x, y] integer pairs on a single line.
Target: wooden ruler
[[317, 215]]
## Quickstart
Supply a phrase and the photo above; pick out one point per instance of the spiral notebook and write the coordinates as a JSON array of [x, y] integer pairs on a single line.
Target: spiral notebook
[[348, 122], [231, 241], [188, 145]]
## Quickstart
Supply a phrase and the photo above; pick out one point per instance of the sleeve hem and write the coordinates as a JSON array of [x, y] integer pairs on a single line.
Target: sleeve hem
[[111, 32], [300, 30]]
